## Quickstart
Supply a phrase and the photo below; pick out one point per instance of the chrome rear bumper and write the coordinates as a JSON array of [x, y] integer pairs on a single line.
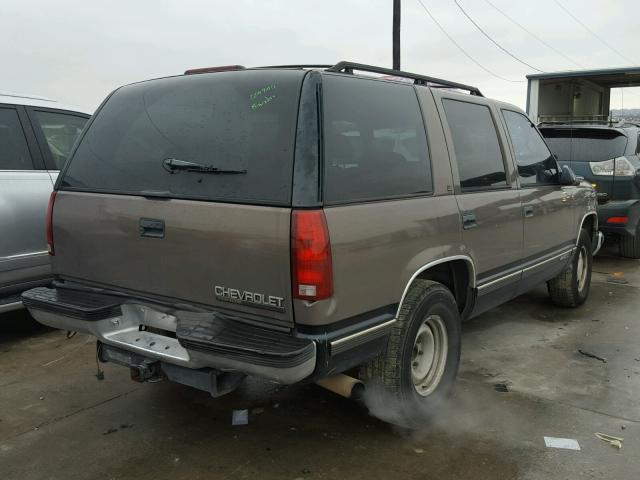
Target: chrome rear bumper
[[156, 334]]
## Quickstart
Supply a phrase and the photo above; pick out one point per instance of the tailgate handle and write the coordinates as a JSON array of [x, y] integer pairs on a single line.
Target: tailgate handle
[[151, 227]]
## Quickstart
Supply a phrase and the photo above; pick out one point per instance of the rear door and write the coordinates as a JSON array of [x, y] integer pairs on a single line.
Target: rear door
[[549, 208], [56, 132], [25, 187], [126, 217], [487, 196]]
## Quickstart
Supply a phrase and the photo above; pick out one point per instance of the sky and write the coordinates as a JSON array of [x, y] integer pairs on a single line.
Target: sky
[[77, 51]]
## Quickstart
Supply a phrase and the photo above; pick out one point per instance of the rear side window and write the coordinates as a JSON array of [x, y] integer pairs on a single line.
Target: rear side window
[[240, 126], [585, 144], [14, 152], [60, 130], [536, 165], [375, 141], [475, 142]]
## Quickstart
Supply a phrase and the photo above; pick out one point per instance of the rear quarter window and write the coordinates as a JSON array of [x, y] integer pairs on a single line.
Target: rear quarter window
[[241, 120], [375, 141]]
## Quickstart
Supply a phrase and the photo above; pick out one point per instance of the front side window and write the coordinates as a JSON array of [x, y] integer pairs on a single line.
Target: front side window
[[536, 164], [375, 141], [60, 130], [14, 152], [475, 143]]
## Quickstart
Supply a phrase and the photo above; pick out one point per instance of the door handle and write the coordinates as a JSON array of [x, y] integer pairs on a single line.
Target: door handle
[[469, 221], [151, 227], [528, 211]]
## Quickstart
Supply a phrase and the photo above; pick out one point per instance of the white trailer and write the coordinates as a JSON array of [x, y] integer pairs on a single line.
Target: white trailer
[[580, 95]]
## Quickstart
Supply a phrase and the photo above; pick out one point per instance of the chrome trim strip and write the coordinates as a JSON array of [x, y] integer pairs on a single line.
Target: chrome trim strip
[[523, 269], [366, 331], [551, 259], [8, 307], [493, 282], [466, 258], [595, 224], [23, 255]]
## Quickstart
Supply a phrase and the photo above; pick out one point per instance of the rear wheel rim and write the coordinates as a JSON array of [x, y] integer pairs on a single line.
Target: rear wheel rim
[[582, 268], [429, 355]]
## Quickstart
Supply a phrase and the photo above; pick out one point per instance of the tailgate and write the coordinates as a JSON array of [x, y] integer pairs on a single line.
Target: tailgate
[[230, 256], [181, 187]]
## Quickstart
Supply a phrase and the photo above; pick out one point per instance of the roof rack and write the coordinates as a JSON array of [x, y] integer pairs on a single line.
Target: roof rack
[[350, 67], [224, 68], [304, 65]]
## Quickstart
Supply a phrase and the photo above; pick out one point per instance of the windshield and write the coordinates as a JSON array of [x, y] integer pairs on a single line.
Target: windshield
[[232, 121], [585, 145]]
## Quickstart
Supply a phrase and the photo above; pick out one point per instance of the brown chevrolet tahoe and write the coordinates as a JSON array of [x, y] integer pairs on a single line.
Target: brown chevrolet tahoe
[[293, 223]]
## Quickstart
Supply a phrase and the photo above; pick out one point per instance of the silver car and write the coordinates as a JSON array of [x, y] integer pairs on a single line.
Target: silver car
[[36, 136]]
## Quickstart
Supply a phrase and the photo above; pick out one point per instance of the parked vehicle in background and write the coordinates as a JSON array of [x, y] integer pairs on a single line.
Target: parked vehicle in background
[[606, 155], [36, 136], [294, 223]]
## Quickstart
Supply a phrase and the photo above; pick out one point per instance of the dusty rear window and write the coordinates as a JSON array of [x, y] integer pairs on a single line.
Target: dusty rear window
[[240, 123], [585, 145]]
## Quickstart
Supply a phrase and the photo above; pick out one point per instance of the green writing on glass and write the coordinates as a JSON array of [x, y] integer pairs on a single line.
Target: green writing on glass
[[261, 97]]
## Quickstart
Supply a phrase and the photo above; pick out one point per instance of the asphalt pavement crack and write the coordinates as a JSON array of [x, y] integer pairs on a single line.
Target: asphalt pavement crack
[[68, 415]]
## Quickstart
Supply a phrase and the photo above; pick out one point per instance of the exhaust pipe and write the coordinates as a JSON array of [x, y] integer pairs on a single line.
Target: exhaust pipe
[[343, 385]]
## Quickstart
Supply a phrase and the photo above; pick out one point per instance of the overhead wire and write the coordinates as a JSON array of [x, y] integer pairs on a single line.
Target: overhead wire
[[494, 41], [594, 34], [464, 52], [526, 30]]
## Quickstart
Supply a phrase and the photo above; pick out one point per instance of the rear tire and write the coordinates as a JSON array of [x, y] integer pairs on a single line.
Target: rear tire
[[571, 287], [630, 245], [416, 372]]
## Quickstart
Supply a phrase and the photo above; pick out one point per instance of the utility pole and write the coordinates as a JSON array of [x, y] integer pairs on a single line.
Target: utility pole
[[396, 34]]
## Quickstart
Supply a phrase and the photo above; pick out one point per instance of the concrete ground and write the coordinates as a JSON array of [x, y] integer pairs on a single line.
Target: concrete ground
[[58, 422]]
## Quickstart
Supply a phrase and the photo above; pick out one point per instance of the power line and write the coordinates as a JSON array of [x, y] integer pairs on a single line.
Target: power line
[[464, 52], [493, 41], [602, 40], [551, 47]]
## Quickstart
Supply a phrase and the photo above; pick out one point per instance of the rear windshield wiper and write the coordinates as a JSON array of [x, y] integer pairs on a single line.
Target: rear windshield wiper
[[173, 165]]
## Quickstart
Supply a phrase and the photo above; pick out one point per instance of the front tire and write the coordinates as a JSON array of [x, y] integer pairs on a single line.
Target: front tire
[[417, 371], [571, 287]]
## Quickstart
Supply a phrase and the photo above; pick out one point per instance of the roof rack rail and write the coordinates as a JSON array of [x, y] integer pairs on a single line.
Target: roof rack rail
[[349, 67], [224, 68], [303, 65]]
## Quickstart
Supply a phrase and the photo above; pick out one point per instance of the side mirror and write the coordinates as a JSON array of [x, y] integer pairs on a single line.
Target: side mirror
[[567, 177]]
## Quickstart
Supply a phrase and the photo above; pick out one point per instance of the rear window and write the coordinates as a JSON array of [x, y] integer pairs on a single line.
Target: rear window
[[375, 141], [242, 123], [585, 145]]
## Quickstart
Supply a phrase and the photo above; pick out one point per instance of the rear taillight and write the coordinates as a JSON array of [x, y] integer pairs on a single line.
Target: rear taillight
[[618, 220], [311, 270], [49, 223]]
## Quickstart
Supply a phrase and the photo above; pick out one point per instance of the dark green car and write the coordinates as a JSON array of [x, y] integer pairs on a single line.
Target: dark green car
[[606, 155]]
